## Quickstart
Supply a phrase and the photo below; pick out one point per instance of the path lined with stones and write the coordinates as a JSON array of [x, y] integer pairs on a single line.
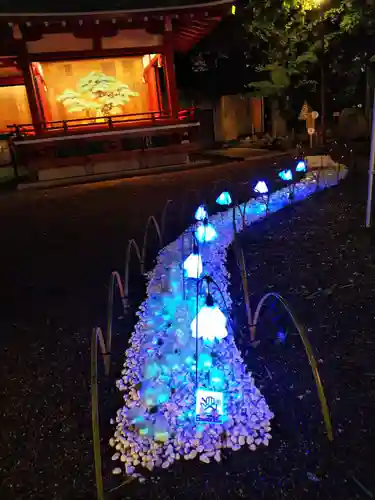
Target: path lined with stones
[[316, 245], [58, 248]]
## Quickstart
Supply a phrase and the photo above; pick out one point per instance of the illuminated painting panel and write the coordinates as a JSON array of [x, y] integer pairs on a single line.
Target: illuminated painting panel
[[14, 106], [98, 93], [95, 88]]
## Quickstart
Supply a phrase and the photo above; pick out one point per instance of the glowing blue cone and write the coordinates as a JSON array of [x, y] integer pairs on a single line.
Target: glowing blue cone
[[205, 233], [193, 266], [261, 188], [201, 213], [301, 166], [224, 199], [211, 324], [286, 175]]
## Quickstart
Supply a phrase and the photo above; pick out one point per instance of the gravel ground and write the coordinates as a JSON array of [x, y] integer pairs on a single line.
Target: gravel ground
[[58, 248], [319, 257]]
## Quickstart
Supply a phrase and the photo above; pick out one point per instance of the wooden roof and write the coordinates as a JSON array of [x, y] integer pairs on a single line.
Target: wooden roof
[[183, 22], [73, 6]]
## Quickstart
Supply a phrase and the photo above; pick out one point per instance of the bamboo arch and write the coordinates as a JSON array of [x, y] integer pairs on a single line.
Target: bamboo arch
[[113, 281], [153, 221], [164, 217], [132, 244], [97, 337], [309, 354]]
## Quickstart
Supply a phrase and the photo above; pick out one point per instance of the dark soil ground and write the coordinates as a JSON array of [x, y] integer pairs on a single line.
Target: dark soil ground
[[54, 273]]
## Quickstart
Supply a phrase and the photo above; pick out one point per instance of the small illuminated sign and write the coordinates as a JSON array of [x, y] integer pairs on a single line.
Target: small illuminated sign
[[209, 406], [234, 10]]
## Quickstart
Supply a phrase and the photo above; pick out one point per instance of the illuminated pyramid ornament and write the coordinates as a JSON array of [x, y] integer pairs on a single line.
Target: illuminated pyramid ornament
[[261, 188], [286, 175], [301, 166], [201, 213], [210, 323], [224, 199], [205, 232], [193, 266]]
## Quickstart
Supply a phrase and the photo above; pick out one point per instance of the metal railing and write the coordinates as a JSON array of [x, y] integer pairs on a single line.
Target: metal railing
[[98, 122]]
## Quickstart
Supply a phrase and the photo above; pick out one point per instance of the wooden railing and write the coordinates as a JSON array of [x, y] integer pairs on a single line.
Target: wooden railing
[[108, 122]]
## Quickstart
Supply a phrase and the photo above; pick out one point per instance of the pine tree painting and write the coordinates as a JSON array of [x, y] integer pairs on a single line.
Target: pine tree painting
[[97, 95]]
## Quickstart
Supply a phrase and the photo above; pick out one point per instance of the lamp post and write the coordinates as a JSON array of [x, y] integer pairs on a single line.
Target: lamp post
[[322, 79], [313, 5]]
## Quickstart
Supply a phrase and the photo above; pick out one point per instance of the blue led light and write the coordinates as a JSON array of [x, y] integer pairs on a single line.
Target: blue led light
[[204, 362], [301, 166], [205, 233], [201, 213], [193, 266], [224, 199], [211, 324], [286, 175], [261, 188]]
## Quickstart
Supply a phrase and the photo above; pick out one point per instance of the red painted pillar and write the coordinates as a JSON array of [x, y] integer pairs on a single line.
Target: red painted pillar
[[170, 77], [25, 66]]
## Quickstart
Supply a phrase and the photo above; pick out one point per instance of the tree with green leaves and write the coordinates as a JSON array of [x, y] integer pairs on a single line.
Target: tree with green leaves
[[299, 37], [286, 37]]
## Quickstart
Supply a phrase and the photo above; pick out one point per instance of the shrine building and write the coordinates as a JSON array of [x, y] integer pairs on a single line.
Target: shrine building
[[85, 93]]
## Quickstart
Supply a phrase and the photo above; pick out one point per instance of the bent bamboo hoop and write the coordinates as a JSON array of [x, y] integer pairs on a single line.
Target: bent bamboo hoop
[[309, 353]]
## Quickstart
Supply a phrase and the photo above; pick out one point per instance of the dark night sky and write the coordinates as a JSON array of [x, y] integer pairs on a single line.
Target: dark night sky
[[87, 5]]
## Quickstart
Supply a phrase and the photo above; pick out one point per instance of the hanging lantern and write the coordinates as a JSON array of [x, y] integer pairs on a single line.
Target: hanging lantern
[[205, 232], [210, 323], [286, 175], [301, 166], [193, 266], [224, 199], [201, 213], [261, 188]]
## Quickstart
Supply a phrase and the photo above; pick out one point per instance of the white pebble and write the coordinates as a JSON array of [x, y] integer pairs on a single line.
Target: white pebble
[[204, 458], [116, 471]]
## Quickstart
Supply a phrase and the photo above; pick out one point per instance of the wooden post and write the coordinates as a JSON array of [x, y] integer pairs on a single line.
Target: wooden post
[[24, 64], [371, 170], [170, 77]]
